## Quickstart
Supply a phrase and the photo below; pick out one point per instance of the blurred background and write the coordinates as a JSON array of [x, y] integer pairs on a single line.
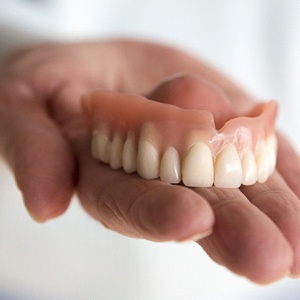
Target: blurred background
[[256, 42]]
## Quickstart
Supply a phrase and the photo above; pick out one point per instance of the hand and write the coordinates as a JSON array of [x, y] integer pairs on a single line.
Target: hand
[[255, 229]]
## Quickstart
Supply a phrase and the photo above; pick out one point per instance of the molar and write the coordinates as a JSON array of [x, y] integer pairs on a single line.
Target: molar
[[170, 166], [197, 166], [228, 168]]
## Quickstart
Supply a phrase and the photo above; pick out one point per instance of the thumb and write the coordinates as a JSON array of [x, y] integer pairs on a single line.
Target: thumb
[[36, 151]]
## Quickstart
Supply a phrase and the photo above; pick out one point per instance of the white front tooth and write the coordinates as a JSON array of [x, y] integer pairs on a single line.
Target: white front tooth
[[94, 147], [272, 152], [129, 154], [147, 160], [103, 145], [228, 168], [116, 149], [262, 163], [197, 166], [249, 169], [170, 166]]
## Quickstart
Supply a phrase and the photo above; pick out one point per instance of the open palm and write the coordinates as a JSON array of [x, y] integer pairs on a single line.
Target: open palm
[[254, 231]]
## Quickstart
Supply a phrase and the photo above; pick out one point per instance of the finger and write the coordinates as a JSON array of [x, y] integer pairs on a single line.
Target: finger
[[159, 60], [65, 102], [191, 91], [281, 205], [136, 207], [288, 164], [244, 239], [37, 153]]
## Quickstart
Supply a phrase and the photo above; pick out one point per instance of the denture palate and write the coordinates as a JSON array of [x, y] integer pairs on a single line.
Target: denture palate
[[159, 140]]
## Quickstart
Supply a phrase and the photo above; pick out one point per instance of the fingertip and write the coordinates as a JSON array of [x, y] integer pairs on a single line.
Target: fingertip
[[248, 243], [295, 269], [272, 268], [294, 275], [170, 213], [46, 206], [44, 169]]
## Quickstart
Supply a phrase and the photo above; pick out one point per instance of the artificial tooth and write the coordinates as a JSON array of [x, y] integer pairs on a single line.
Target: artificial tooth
[[228, 168], [197, 166], [170, 166], [103, 145], [272, 152], [249, 169], [94, 147], [262, 163], [129, 154], [116, 151], [147, 160]]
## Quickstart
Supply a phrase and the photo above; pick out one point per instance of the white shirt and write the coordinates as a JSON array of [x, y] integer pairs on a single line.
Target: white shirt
[[257, 42]]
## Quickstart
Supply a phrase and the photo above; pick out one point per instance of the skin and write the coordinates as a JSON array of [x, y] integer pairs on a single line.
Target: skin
[[255, 230]]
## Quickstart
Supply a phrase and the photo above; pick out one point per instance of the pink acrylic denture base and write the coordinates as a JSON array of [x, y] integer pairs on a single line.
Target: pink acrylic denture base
[[169, 125]]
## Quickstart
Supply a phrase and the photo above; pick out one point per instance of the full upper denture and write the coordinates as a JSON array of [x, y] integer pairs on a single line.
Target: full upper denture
[[160, 140]]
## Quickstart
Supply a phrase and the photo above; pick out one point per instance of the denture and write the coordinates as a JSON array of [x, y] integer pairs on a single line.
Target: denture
[[175, 144]]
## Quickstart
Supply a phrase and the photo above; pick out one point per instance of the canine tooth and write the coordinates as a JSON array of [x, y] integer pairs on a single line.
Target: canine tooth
[[262, 163], [129, 154], [197, 166], [147, 160], [116, 151], [170, 166], [272, 152], [103, 145], [249, 169], [228, 168]]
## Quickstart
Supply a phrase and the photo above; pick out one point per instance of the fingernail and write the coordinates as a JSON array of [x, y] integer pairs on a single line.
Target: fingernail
[[198, 236], [36, 218], [294, 276]]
